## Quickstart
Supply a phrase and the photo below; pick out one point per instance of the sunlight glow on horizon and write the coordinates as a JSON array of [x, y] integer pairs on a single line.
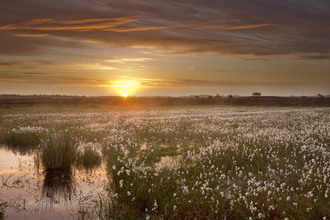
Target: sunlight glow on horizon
[[154, 49], [124, 87]]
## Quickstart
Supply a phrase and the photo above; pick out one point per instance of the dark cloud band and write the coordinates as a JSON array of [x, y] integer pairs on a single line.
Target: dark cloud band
[[249, 28]]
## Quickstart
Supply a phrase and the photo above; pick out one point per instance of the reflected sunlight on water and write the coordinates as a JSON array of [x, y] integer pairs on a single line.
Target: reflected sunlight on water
[[33, 194]]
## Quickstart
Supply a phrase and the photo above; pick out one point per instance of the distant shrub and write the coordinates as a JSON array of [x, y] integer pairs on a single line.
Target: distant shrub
[[256, 94], [230, 96]]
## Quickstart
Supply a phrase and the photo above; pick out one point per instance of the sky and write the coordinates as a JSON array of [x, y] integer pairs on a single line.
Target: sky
[[165, 47]]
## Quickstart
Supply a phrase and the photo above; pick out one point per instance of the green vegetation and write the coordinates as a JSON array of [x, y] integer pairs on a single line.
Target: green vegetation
[[242, 174], [15, 104], [168, 101], [59, 151], [88, 158], [20, 139], [191, 163], [2, 210]]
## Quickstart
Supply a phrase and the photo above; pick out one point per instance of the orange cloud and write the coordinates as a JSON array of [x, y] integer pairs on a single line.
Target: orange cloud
[[77, 25], [30, 35], [125, 29], [95, 24], [123, 60], [248, 26], [226, 27], [289, 32], [190, 83]]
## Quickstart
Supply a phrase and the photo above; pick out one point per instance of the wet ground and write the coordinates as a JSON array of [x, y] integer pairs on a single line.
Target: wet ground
[[36, 194]]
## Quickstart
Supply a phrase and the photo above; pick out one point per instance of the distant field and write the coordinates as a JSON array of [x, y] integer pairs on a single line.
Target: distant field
[[7, 101], [202, 162]]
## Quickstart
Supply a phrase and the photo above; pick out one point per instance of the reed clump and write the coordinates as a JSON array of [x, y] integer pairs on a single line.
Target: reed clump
[[59, 150], [88, 158]]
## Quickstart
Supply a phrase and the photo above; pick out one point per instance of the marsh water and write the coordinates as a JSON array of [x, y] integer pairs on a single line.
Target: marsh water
[[33, 193]]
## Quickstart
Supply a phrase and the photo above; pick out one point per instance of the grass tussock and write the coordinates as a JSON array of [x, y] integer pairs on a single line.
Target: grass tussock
[[59, 151], [88, 158]]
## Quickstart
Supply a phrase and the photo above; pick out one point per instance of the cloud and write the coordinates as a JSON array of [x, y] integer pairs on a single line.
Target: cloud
[[34, 73], [86, 66], [28, 63], [193, 83], [248, 26], [44, 78], [14, 45], [123, 60], [69, 25], [313, 57], [254, 58], [224, 28], [44, 63], [221, 70], [12, 63], [31, 35]]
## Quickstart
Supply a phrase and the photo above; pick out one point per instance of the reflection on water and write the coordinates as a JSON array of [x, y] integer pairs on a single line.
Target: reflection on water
[[88, 157], [20, 150], [58, 185], [36, 194]]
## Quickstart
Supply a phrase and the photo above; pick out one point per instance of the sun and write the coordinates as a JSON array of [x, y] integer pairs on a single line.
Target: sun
[[123, 88]]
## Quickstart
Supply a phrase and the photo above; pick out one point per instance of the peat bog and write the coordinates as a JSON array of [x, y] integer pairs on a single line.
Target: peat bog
[[203, 162]]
